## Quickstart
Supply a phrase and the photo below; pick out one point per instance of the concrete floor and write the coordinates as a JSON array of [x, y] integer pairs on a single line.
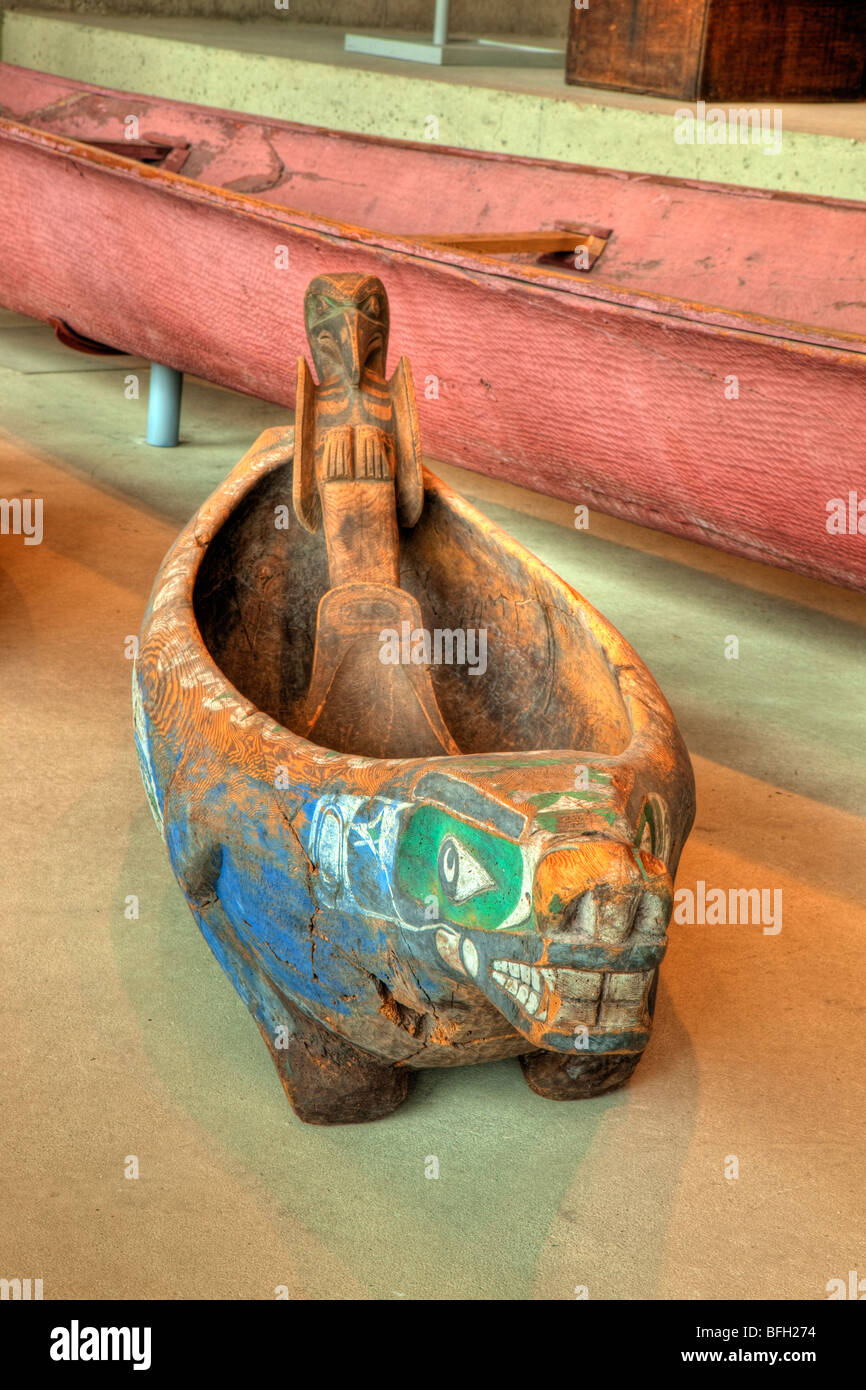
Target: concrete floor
[[122, 1037], [275, 67]]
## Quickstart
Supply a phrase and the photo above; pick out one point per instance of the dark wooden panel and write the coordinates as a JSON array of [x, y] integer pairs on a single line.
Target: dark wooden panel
[[795, 50], [637, 45], [724, 50]]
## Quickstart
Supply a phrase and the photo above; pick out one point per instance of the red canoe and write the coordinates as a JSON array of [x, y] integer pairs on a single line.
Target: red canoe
[[705, 376]]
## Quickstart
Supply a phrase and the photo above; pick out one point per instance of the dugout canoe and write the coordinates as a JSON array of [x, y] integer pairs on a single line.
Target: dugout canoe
[[705, 375]]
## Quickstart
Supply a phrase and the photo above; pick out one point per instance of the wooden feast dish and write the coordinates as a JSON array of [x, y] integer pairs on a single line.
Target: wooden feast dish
[[403, 860]]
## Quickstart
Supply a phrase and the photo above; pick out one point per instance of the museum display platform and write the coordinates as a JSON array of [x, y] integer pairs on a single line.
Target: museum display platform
[[301, 72]]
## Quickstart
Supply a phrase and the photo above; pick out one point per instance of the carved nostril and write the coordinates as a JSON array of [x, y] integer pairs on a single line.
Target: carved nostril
[[616, 913], [653, 913], [610, 915], [603, 891], [604, 913], [580, 916]]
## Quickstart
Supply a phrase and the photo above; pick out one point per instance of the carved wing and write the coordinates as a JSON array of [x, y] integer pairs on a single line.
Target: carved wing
[[305, 492], [408, 478]]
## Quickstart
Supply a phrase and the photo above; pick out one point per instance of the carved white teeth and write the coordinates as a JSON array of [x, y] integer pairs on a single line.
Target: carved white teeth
[[519, 971], [561, 996], [596, 998], [521, 981]]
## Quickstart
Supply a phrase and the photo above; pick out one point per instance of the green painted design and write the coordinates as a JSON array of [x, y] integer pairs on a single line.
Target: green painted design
[[544, 799], [506, 763], [550, 820], [443, 858]]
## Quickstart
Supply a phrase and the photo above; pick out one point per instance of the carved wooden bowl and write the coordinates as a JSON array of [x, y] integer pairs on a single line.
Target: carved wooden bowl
[[380, 915]]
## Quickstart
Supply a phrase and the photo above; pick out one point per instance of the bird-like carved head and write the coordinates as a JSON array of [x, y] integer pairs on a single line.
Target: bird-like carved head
[[346, 318]]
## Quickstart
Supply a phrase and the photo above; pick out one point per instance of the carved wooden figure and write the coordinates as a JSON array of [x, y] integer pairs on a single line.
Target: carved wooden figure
[[425, 803], [358, 471]]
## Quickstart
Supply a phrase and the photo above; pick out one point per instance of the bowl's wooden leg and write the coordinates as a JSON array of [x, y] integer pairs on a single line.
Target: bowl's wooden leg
[[328, 1080], [577, 1076]]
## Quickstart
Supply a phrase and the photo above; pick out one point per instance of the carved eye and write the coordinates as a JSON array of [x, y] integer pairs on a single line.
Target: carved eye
[[460, 873], [371, 306], [323, 306]]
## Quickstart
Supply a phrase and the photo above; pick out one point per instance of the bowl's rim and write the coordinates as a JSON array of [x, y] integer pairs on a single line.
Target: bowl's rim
[[170, 632]]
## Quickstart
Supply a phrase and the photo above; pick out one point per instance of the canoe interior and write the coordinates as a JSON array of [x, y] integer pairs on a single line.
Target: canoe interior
[[547, 683], [794, 258]]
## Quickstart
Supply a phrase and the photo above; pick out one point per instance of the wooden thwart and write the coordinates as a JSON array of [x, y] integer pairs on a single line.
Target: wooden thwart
[[169, 157], [565, 239]]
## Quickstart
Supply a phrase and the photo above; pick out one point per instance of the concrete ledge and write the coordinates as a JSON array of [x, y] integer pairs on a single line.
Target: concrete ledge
[[301, 73]]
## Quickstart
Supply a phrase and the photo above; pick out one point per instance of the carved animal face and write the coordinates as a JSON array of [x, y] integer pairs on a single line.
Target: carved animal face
[[505, 894], [346, 318]]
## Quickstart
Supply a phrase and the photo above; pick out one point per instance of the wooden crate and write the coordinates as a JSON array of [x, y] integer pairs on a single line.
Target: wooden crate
[[727, 50]]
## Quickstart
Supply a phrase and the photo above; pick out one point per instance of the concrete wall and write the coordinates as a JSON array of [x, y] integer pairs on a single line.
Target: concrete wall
[[549, 17]]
